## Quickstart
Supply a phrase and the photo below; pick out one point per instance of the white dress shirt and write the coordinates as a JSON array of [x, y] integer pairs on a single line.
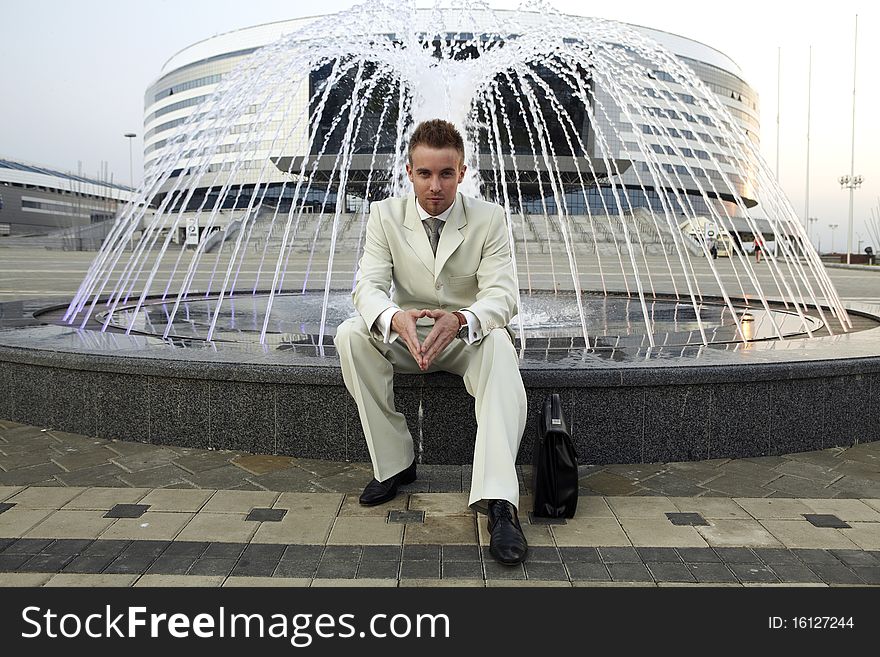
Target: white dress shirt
[[383, 322]]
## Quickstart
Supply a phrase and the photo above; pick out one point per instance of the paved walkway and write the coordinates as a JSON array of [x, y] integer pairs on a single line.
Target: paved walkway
[[76, 510]]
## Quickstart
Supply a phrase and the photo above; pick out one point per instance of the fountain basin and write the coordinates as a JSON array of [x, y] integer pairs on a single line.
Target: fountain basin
[[626, 402]]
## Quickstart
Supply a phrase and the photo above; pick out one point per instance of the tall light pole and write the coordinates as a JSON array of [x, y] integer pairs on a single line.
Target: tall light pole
[[852, 181], [832, 227], [130, 136], [810, 222]]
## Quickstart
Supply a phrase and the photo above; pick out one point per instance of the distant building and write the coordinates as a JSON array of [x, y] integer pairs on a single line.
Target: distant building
[[36, 200], [189, 78]]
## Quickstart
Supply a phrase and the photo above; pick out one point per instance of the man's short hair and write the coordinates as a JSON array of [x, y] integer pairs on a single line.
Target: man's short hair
[[436, 133]]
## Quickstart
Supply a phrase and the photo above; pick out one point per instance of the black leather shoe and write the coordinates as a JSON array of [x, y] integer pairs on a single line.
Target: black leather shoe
[[507, 543], [379, 492]]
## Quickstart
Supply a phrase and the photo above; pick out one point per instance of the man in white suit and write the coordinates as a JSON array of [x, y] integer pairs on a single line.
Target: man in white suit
[[435, 291]]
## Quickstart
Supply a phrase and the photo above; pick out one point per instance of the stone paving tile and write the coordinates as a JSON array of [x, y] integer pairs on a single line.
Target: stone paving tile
[[336, 569], [381, 552], [661, 533], [154, 580], [670, 572], [89, 564], [263, 582], [378, 570], [45, 563], [852, 487], [8, 491], [698, 555], [29, 545], [364, 531], [629, 572], [145, 459], [667, 484], [238, 502], [159, 525], [738, 532], [802, 534], [753, 572], [441, 504], [865, 535], [775, 509], [711, 572], [733, 485], [537, 570], [461, 570], [869, 575], [76, 460], [442, 529], [495, 570], [347, 583], [640, 507], [104, 499], [710, 507], [155, 477], [594, 572], [29, 580], [99, 475], [619, 555], [873, 503], [737, 555], [295, 529], [420, 569], [12, 562], [591, 507], [590, 532], [188, 500], [848, 510], [835, 574], [777, 556], [819, 474], [169, 564], [853, 558], [292, 479], [310, 503], [606, 483], [67, 546], [658, 554], [225, 477], [794, 573], [71, 524], [205, 566], [16, 522], [793, 487], [580, 555], [297, 568], [45, 498], [90, 581], [218, 527], [259, 464], [195, 461]]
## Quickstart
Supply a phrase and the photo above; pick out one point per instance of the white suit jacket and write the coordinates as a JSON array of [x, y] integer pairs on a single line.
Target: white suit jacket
[[471, 271]]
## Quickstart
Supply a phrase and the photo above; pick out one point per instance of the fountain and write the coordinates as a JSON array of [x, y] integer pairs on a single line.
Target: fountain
[[615, 164]]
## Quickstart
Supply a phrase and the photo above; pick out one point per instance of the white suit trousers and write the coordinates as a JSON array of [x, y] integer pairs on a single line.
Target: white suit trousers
[[490, 370]]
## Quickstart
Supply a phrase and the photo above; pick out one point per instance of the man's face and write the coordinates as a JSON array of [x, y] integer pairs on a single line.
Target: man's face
[[435, 174]]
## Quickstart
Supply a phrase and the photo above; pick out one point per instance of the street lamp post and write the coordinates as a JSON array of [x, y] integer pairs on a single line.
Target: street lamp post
[[851, 182], [832, 227], [130, 136], [810, 222]]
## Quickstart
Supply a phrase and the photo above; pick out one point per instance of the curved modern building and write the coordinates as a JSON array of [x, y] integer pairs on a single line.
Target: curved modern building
[[190, 76]]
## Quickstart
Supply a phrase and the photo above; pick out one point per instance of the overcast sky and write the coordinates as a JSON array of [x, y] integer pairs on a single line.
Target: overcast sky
[[75, 72]]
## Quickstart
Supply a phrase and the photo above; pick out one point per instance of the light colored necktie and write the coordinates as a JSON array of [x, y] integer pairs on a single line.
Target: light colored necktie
[[432, 227]]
